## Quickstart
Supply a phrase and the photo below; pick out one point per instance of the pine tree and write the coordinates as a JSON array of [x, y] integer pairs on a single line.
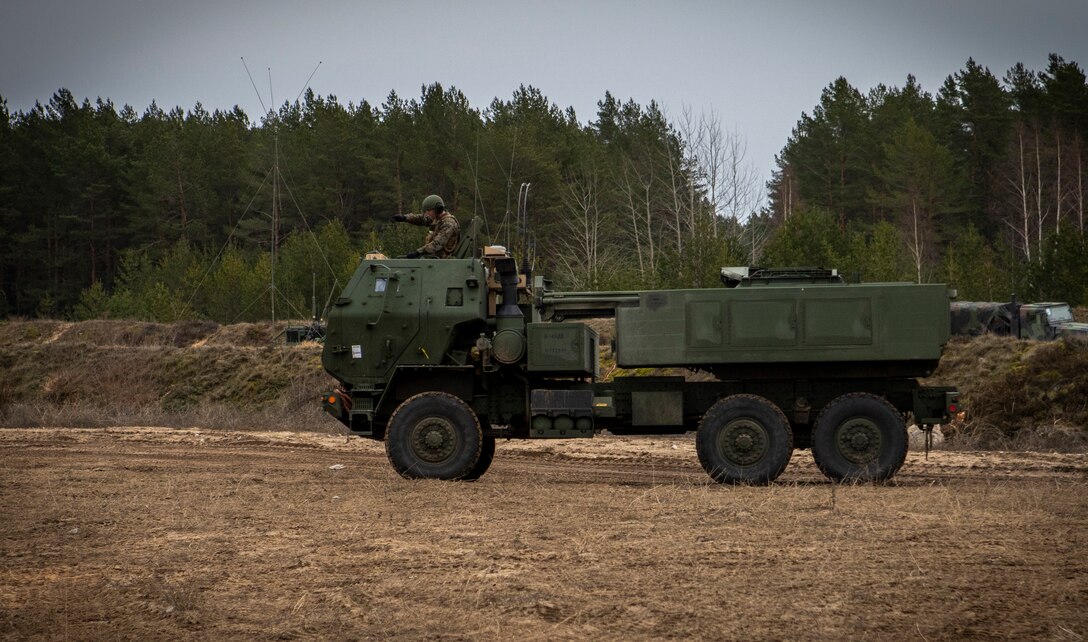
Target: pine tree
[[830, 152], [975, 124], [918, 188]]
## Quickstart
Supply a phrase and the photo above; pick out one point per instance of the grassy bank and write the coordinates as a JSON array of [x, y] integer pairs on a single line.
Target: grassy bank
[[1018, 394], [100, 373]]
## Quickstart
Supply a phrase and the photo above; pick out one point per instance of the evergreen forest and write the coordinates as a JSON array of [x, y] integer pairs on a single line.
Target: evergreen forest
[[177, 213]]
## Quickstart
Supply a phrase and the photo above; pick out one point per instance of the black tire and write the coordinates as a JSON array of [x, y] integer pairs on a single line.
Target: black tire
[[433, 435], [859, 437], [744, 439], [487, 455]]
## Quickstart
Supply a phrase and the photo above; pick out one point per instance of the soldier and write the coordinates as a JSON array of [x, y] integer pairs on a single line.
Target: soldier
[[445, 232]]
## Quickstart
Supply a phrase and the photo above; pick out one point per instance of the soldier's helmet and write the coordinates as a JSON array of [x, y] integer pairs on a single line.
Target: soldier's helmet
[[432, 202]]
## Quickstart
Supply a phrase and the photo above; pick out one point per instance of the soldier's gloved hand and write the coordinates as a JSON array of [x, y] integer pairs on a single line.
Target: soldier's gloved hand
[[412, 255], [399, 218]]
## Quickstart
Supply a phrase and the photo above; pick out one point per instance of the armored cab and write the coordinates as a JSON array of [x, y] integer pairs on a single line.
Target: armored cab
[[397, 313], [441, 357]]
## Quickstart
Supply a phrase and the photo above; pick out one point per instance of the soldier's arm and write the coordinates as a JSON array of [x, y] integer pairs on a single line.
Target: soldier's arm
[[417, 219]]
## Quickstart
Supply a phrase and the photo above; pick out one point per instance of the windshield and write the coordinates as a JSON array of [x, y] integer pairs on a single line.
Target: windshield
[[1060, 313]]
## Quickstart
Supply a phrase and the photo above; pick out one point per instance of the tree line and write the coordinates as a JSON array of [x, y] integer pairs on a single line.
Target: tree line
[[982, 185], [190, 213]]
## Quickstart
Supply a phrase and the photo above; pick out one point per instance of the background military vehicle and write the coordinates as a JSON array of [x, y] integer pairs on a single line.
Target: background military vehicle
[[1039, 321], [441, 357]]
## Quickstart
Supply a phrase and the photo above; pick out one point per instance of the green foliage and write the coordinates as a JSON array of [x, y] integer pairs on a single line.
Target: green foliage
[[1060, 272], [313, 268], [975, 122], [877, 256], [169, 214], [917, 185], [810, 238], [986, 168], [169, 211], [700, 263], [94, 303], [238, 288], [399, 239], [973, 268], [831, 151], [162, 304], [234, 286]]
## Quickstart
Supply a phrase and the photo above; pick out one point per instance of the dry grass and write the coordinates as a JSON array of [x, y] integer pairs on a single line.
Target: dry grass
[[185, 535], [119, 373], [1019, 394]]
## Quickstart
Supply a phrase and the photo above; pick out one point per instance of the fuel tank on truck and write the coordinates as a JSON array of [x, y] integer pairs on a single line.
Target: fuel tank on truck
[[776, 330]]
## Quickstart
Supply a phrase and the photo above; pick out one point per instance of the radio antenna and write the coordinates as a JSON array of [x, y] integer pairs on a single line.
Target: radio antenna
[[523, 228], [255, 90], [307, 83]]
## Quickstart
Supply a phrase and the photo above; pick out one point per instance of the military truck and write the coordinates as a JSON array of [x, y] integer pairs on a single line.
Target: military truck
[[1039, 321], [439, 358], [313, 331]]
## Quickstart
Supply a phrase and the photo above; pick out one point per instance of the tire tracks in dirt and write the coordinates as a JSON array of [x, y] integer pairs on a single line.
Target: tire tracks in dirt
[[601, 462]]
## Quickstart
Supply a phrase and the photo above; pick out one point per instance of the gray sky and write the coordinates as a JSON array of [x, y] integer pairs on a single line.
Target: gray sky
[[756, 64]]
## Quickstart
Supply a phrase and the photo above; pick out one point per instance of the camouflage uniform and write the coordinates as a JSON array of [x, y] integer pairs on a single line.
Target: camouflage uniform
[[443, 237]]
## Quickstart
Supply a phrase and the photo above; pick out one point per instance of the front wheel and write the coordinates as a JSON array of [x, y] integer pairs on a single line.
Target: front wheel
[[859, 436], [434, 435], [744, 439], [487, 455]]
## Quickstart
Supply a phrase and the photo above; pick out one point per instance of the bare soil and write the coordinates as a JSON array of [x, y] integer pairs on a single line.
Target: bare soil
[[128, 533]]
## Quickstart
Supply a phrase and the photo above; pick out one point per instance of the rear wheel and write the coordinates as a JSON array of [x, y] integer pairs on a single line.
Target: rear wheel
[[744, 439], [433, 435], [859, 436]]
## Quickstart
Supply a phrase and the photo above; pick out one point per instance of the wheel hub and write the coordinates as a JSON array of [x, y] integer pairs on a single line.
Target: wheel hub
[[434, 439], [743, 441], [859, 440]]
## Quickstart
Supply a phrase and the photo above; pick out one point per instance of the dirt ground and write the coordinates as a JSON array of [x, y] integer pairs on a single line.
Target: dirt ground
[[127, 533]]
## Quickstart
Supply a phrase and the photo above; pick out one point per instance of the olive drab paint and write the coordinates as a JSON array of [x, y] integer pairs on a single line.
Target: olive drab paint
[[842, 328], [436, 356]]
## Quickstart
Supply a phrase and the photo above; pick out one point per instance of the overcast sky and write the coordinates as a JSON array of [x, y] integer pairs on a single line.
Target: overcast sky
[[756, 64]]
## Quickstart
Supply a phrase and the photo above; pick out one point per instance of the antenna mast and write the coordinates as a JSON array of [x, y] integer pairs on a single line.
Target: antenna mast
[[523, 228], [275, 190], [272, 118]]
